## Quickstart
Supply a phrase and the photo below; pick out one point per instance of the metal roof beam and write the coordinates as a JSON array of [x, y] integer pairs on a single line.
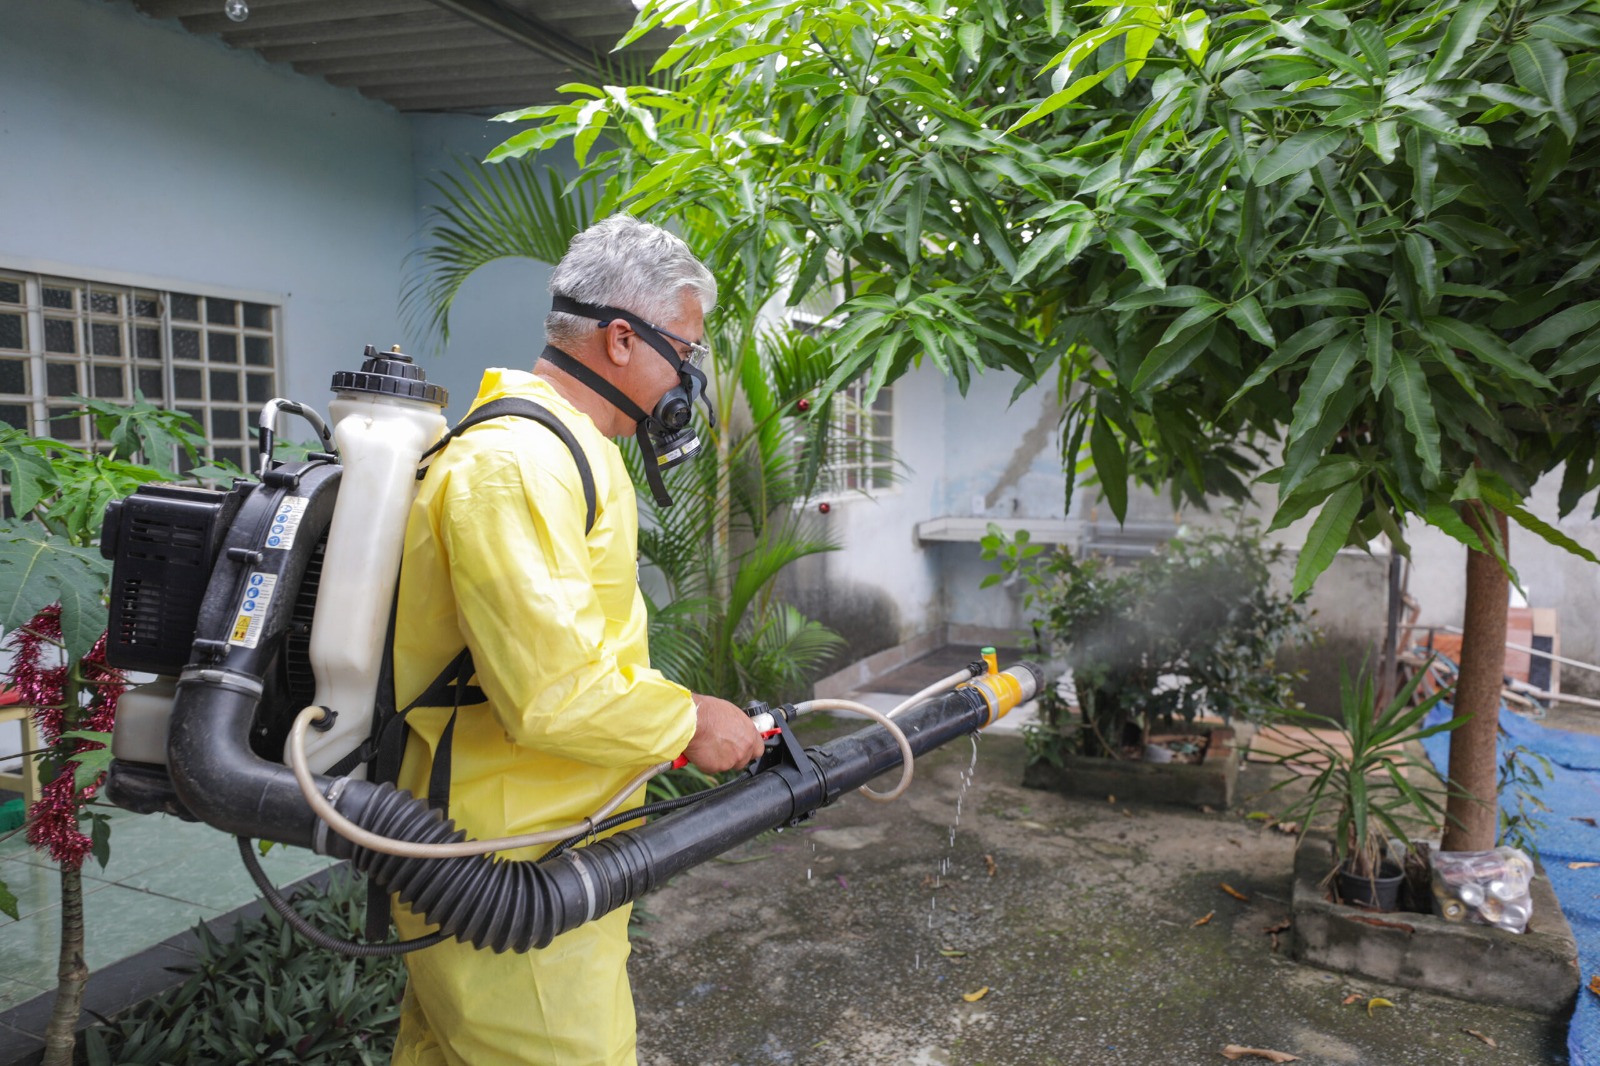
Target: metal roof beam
[[527, 31], [529, 66]]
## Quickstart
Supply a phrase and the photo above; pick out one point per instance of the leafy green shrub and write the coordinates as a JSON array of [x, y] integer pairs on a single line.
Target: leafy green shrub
[[1195, 627], [267, 997]]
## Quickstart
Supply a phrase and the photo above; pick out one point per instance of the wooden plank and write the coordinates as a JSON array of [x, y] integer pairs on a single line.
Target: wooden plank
[[419, 60], [399, 44]]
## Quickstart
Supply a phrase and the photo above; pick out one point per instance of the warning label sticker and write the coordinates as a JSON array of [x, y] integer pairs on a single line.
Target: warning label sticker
[[253, 611], [286, 523]]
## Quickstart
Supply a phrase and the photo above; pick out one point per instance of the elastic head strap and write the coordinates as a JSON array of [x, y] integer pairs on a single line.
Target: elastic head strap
[[605, 315], [615, 396]]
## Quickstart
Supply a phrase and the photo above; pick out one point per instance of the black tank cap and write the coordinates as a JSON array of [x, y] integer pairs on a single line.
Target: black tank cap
[[391, 373]]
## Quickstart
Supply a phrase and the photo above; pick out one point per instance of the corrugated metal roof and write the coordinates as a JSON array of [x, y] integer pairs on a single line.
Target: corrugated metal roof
[[481, 56]]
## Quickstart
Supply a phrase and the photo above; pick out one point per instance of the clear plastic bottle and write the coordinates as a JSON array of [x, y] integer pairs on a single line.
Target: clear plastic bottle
[[384, 417]]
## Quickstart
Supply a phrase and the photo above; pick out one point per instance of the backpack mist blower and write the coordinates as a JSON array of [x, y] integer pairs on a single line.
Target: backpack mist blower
[[265, 612]]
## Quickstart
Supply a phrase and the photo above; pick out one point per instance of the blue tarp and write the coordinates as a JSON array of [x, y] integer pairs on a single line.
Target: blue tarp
[[1572, 794]]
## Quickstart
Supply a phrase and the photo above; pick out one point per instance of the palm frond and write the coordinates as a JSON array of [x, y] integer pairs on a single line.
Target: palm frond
[[509, 210]]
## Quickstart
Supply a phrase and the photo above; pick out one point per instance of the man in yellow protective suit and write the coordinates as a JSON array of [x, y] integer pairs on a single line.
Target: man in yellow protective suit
[[497, 557]]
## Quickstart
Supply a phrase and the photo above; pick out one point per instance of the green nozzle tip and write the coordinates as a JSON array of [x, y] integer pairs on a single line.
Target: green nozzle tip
[[988, 651]]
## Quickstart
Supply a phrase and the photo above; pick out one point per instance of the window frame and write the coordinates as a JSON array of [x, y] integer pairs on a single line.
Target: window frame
[[37, 274]]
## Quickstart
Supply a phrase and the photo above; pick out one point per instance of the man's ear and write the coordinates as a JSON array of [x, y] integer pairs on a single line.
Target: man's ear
[[618, 341]]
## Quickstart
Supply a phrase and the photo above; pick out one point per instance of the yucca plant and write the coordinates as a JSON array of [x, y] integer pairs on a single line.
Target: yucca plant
[[1365, 777]]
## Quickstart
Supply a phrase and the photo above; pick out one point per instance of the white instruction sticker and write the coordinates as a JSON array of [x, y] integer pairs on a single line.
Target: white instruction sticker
[[253, 611], [286, 523]]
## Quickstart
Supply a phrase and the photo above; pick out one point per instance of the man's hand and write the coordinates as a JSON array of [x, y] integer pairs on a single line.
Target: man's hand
[[724, 738]]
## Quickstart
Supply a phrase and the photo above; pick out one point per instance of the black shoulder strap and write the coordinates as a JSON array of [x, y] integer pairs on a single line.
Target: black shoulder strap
[[514, 406]]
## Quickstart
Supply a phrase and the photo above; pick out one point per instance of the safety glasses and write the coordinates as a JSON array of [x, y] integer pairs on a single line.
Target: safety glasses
[[697, 351]]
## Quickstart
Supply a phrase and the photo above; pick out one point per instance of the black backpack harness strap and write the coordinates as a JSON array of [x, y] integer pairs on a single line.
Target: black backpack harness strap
[[385, 748]]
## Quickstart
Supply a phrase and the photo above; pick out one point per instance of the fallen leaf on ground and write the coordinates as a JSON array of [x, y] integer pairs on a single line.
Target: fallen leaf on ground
[[1033, 825], [1111, 799], [1594, 984], [1581, 865], [953, 953], [1234, 1051], [973, 997], [1258, 816], [1354, 997], [1206, 810], [1379, 922], [1127, 813], [1588, 822], [1486, 1039], [1287, 827], [842, 882], [1234, 892], [1278, 927], [1202, 921], [1377, 1001], [988, 862]]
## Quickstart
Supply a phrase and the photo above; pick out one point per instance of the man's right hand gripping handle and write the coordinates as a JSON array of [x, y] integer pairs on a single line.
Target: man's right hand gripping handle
[[724, 736]]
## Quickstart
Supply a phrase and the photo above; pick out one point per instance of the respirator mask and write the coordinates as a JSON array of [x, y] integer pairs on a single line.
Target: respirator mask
[[665, 436]]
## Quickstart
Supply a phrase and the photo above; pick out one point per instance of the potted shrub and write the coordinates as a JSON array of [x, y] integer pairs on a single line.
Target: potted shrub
[[1364, 776], [1194, 628]]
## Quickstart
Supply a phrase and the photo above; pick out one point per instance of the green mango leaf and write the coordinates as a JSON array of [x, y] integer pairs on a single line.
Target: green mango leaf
[[1111, 465], [1328, 534], [1334, 471], [1507, 504], [1409, 388], [1246, 313], [1071, 238], [1444, 517], [1379, 331], [38, 569], [1462, 33], [1139, 255], [1487, 347], [1580, 357], [970, 37], [1296, 155], [1558, 328], [1327, 376], [916, 204]]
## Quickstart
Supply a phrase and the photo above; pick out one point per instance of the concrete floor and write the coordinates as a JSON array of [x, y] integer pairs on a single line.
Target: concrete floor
[[837, 942]]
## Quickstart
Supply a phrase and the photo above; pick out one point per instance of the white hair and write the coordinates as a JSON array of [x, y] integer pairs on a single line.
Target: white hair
[[625, 263]]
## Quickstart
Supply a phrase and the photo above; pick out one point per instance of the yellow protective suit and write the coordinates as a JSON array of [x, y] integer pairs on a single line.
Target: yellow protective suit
[[496, 558]]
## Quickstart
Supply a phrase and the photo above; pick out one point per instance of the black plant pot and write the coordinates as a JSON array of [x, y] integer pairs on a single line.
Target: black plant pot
[[1380, 893]]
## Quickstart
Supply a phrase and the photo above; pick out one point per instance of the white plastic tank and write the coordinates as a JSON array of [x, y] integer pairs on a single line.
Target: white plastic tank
[[384, 417]]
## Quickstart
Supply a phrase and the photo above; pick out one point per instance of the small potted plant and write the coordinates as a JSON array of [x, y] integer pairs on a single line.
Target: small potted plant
[[1363, 775]]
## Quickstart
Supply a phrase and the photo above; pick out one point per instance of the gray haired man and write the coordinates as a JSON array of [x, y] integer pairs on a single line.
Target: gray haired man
[[522, 546]]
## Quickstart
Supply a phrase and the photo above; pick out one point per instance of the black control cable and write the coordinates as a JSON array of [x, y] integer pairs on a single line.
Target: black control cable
[[321, 939]]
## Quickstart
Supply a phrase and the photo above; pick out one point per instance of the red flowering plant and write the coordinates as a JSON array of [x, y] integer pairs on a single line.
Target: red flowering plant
[[53, 585]]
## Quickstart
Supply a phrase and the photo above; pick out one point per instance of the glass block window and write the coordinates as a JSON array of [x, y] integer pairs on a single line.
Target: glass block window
[[213, 357]]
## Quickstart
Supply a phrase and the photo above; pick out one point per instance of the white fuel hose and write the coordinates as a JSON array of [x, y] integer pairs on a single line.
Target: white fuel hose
[[906, 755], [409, 849], [931, 691]]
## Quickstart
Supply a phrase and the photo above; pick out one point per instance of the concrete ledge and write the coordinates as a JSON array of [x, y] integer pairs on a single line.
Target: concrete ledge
[[1206, 784], [1536, 970]]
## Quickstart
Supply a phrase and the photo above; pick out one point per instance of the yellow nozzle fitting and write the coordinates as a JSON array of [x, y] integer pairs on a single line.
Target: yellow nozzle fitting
[[1003, 690], [992, 660]]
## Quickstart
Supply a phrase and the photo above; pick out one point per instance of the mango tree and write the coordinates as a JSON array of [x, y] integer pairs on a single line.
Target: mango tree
[[1350, 244]]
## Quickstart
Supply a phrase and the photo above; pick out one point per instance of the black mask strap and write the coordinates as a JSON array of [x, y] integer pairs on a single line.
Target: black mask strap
[[618, 399], [695, 383]]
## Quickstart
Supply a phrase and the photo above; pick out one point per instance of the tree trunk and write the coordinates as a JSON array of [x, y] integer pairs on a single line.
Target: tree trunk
[[1473, 816], [72, 974]]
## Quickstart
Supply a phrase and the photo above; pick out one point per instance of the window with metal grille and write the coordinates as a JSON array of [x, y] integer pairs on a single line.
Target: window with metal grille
[[212, 357], [860, 448]]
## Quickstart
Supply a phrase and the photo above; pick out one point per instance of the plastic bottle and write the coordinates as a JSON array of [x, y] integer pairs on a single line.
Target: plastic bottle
[[384, 417]]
